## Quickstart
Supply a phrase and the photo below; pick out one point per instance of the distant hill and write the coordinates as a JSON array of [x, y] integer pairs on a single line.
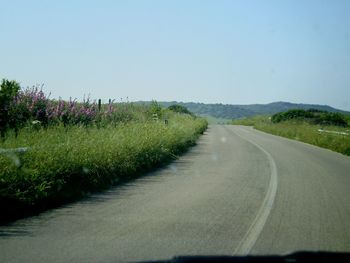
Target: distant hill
[[228, 111]]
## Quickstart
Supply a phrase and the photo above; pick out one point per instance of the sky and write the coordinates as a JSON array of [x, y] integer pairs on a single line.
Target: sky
[[230, 52]]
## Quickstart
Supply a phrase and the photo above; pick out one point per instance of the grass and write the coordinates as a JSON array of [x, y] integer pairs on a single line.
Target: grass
[[302, 131], [63, 163]]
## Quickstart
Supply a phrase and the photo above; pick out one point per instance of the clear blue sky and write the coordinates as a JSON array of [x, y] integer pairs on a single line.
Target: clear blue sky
[[235, 52]]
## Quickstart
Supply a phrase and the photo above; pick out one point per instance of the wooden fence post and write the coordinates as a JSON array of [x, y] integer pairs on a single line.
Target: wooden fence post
[[99, 104]]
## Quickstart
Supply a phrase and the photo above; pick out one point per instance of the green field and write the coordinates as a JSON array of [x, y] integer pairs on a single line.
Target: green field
[[303, 131]]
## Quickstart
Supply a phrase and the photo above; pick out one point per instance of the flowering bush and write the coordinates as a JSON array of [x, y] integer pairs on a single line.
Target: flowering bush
[[72, 112], [31, 103], [20, 107]]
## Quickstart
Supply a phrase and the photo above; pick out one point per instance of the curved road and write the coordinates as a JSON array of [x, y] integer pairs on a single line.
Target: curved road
[[239, 191]]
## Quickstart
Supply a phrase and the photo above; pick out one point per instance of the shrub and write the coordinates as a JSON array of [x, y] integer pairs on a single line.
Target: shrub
[[291, 114], [179, 109], [313, 116], [155, 108], [8, 92], [21, 107], [32, 104], [329, 118]]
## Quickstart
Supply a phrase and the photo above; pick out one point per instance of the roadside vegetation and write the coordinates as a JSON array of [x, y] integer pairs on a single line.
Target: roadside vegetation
[[320, 128], [180, 109], [213, 120], [54, 151], [312, 116], [229, 111]]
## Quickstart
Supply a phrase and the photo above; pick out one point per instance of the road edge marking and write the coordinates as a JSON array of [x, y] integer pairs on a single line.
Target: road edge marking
[[255, 229]]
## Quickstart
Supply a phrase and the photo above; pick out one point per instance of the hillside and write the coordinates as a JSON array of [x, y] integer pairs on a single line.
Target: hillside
[[227, 111]]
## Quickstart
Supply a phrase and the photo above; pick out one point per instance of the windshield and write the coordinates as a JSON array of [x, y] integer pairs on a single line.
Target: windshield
[[135, 131]]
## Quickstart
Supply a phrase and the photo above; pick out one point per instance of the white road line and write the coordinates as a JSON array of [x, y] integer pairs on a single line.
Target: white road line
[[258, 223]]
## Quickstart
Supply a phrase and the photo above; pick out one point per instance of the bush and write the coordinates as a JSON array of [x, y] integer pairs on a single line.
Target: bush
[[23, 107], [8, 93], [32, 105], [313, 116], [291, 114], [155, 109], [329, 118], [179, 109]]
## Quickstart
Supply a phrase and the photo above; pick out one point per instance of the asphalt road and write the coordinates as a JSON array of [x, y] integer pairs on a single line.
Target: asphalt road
[[239, 191]]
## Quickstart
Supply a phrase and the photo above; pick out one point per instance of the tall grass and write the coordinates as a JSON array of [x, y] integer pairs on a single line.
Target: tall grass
[[63, 163], [303, 131]]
